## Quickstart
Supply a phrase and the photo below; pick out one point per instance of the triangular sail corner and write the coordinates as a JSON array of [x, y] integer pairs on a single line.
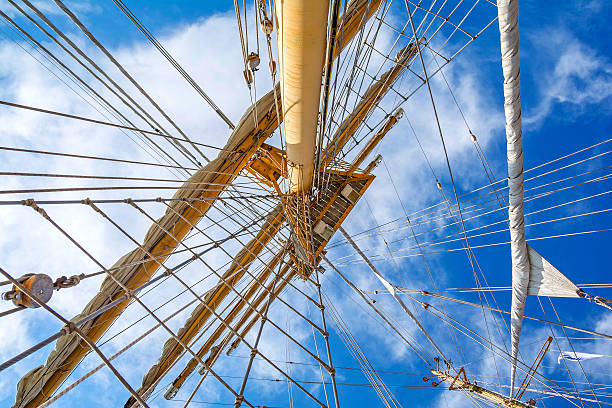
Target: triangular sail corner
[[546, 280]]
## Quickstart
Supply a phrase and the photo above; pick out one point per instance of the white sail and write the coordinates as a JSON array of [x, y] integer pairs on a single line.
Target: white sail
[[509, 39], [546, 280]]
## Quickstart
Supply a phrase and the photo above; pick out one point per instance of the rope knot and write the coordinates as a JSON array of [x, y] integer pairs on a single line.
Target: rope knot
[[70, 327], [31, 203], [129, 293]]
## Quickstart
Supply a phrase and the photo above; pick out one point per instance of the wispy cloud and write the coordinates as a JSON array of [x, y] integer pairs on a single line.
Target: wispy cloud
[[571, 75]]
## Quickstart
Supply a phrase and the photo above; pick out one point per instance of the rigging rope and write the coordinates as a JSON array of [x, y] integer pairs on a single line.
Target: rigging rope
[[85, 87], [93, 39], [100, 122], [149, 119], [172, 61]]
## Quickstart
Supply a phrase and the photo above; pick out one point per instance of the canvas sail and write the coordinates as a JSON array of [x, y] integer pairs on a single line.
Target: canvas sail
[[509, 39], [546, 280]]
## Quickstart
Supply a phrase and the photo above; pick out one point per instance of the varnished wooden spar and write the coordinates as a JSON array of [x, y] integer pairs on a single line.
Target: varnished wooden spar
[[213, 298], [378, 136], [209, 344], [372, 96], [331, 211], [458, 383]]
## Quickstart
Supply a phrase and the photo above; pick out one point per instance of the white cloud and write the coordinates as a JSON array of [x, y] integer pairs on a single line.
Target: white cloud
[[577, 79]]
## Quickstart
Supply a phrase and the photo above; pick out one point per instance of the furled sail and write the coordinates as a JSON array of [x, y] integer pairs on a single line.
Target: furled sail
[[301, 52], [507, 11]]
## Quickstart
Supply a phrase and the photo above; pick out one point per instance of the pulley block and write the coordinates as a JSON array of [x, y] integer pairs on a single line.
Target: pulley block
[[39, 284]]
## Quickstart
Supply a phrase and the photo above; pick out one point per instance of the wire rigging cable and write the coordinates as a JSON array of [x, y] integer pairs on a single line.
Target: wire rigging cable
[[172, 61], [83, 85], [133, 105], [94, 40]]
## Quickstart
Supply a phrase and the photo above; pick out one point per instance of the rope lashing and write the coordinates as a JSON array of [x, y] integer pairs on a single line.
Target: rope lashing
[[63, 282], [596, 299]]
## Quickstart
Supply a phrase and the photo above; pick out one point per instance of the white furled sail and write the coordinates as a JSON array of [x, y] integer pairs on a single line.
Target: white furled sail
[[546, 280], [509, 39]]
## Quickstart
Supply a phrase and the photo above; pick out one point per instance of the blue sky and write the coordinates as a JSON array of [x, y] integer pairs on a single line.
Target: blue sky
[[566, 98]]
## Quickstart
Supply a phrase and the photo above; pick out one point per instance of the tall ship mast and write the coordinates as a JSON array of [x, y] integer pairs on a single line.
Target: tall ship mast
[[286, 203]]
